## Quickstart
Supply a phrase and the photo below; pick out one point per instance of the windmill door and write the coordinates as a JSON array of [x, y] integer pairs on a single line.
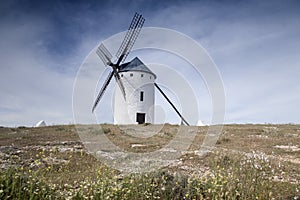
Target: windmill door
[[140, 118]]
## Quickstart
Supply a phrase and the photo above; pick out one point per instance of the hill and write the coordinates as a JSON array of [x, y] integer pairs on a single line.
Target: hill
[[259, 160]]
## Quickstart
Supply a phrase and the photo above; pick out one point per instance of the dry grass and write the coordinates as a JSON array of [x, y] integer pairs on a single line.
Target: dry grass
[[250, 161]]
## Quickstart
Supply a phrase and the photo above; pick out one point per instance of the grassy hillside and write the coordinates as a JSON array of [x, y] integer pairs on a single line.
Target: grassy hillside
[[249, 162]]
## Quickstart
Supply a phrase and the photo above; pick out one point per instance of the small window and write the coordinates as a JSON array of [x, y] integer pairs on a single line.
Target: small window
[[142, 75], [142, 96], [121, 75], [131, 74]]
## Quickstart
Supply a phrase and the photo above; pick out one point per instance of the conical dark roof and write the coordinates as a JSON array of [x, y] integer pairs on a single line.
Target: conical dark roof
[[135, 65]]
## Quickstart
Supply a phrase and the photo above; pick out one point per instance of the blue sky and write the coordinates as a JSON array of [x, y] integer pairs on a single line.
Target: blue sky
[[255, 45]]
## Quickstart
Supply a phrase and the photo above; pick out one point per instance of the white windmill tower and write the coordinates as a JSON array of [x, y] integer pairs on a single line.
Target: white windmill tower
[[135, 96], [138, 82]]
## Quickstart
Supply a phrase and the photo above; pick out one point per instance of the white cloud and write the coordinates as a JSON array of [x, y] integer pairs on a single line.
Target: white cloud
[[254, 44], [31, 88]]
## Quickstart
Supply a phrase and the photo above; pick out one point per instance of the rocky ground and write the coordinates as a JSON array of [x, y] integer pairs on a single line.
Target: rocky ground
[[79, 146]]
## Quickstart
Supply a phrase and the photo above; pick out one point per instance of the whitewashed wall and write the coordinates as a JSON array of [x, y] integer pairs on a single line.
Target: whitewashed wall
[[125, 111]]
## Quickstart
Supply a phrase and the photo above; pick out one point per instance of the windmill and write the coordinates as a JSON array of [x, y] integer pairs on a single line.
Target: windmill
[[134, 98]]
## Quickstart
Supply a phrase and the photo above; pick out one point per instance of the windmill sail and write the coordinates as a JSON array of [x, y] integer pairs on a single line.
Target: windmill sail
[[126, 46], [107, 81], [104, 54], [130, 37], [120, 83]]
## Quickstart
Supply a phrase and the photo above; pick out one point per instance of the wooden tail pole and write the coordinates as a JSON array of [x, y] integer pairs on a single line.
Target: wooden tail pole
[[182, 118]]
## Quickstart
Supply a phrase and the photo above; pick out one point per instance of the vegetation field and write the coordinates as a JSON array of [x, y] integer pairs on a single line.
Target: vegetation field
[[248, 162]]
